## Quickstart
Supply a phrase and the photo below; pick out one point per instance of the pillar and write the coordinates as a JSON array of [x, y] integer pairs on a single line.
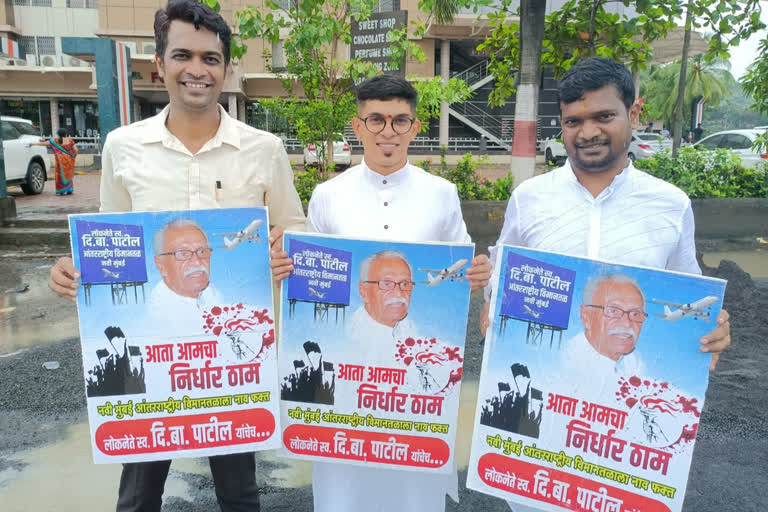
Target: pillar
[[445, 74]]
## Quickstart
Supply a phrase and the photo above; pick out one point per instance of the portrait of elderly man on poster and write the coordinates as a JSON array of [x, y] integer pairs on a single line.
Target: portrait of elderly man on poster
[[385, 287], [612, 312]]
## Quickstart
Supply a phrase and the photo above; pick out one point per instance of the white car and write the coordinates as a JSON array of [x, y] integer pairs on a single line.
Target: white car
[[24, 164], [554, 150], [645, 145], [738, 141], [342, 153]]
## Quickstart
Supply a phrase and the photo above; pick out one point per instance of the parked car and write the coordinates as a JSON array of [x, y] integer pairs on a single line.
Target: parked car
[[24, 165], [342, 153], [738, 141], [645, 145], [554, 150]]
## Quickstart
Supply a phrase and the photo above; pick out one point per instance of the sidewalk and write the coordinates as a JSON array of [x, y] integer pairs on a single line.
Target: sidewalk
[[84, 198]]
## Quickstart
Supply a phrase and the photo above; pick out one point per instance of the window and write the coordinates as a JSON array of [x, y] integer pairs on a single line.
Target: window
[[46, 45], [32, 3], [278, 56], [288, 4], [736, 141], [83, 4], [25, 128], [28, 43], [8, 131], [711, 142]]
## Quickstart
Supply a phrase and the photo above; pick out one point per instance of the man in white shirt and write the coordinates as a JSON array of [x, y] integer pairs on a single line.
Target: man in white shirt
[[598, 205], [191, 156], [387, 198]]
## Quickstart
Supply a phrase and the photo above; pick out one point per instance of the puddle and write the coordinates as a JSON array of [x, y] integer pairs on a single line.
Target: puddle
[[35, 316], [754, 262]]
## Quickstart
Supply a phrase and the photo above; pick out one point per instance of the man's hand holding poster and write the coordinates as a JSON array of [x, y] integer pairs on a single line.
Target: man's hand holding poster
[[372, 351], [178, 333], [592, 383]]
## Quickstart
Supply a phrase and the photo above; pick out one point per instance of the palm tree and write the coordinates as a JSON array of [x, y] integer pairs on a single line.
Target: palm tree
[[711, 80]]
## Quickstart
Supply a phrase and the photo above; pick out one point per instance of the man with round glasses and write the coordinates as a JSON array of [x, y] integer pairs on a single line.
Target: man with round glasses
[[183, 258], [612, 313], [387, 198]]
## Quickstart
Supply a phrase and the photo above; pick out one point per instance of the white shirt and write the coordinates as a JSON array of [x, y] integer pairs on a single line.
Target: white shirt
[[591, 370], [636, 220], [146, 168], [408, 205], [176, 315], [363, 324]]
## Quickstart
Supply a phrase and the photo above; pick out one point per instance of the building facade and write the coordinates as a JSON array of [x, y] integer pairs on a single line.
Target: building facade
[[57, 90]]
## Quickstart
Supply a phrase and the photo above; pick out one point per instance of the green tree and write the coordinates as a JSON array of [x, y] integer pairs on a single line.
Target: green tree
[[755, 83], [579, 29], [728, 22], [710, 79]]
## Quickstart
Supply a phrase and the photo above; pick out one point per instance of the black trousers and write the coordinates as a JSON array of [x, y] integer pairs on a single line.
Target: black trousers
[[234, 476]]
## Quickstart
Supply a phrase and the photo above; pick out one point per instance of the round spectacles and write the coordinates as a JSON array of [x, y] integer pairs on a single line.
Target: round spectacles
[[634, 315], [387, 285], [376, 123], [186, 254]]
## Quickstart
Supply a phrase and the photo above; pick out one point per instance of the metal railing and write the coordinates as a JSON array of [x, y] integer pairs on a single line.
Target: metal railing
[[474, 73], [490, 122]]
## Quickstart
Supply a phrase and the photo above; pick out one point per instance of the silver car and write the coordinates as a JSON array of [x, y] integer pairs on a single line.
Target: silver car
[[645, 145], [739, 142]]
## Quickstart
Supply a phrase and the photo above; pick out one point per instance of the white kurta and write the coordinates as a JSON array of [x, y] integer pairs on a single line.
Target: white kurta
[[171, 314], [409, 205], [636, 220], [592, 370]]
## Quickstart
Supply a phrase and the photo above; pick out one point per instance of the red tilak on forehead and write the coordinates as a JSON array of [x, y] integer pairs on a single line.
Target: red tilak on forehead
[[390, 116]]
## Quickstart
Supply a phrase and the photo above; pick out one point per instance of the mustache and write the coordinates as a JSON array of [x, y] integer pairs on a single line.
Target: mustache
[[623, 330], [197, 268], [591, 142], [395, 300]]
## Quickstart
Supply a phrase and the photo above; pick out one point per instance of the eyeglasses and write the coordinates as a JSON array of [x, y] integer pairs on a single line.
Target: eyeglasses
[[635, 315], [186, 254], [376, 123], [387, 285]]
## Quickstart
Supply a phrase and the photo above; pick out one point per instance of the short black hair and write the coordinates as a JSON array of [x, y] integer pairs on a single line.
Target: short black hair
[[385, 88], [595, 73], [190, 11]]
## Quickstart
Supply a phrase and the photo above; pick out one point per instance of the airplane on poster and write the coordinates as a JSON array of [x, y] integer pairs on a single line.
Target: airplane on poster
[[109, 273], [451, 273], [694, 309], [248, 234], [316, 293], [533, 313]]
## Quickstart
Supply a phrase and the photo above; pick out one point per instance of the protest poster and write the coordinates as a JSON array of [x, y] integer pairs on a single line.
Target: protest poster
[[177, 332], [592, 383], [371, 351]]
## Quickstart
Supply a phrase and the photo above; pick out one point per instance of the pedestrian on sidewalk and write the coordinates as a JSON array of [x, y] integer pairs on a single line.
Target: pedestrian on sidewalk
[[65, 151]]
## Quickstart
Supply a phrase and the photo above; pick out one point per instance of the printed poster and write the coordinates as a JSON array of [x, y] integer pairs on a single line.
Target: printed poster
[[592, 384], [372, 350], [178, 333]]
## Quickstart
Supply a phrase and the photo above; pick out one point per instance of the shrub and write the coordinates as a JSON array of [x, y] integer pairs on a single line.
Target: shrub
[[699, 174], [470, 185], [305, 182]]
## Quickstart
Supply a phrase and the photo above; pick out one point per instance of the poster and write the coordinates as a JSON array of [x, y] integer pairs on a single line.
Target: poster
[[592, 384], [371, 351], [177, 333]]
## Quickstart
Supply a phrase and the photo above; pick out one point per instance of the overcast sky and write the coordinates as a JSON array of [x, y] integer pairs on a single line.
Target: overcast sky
[[747, 51]]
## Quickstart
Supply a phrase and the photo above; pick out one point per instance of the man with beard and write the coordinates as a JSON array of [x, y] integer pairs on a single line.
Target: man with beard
[[598, 205]]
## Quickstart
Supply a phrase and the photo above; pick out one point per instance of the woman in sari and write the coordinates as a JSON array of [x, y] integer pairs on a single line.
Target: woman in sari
[[65, 150]]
